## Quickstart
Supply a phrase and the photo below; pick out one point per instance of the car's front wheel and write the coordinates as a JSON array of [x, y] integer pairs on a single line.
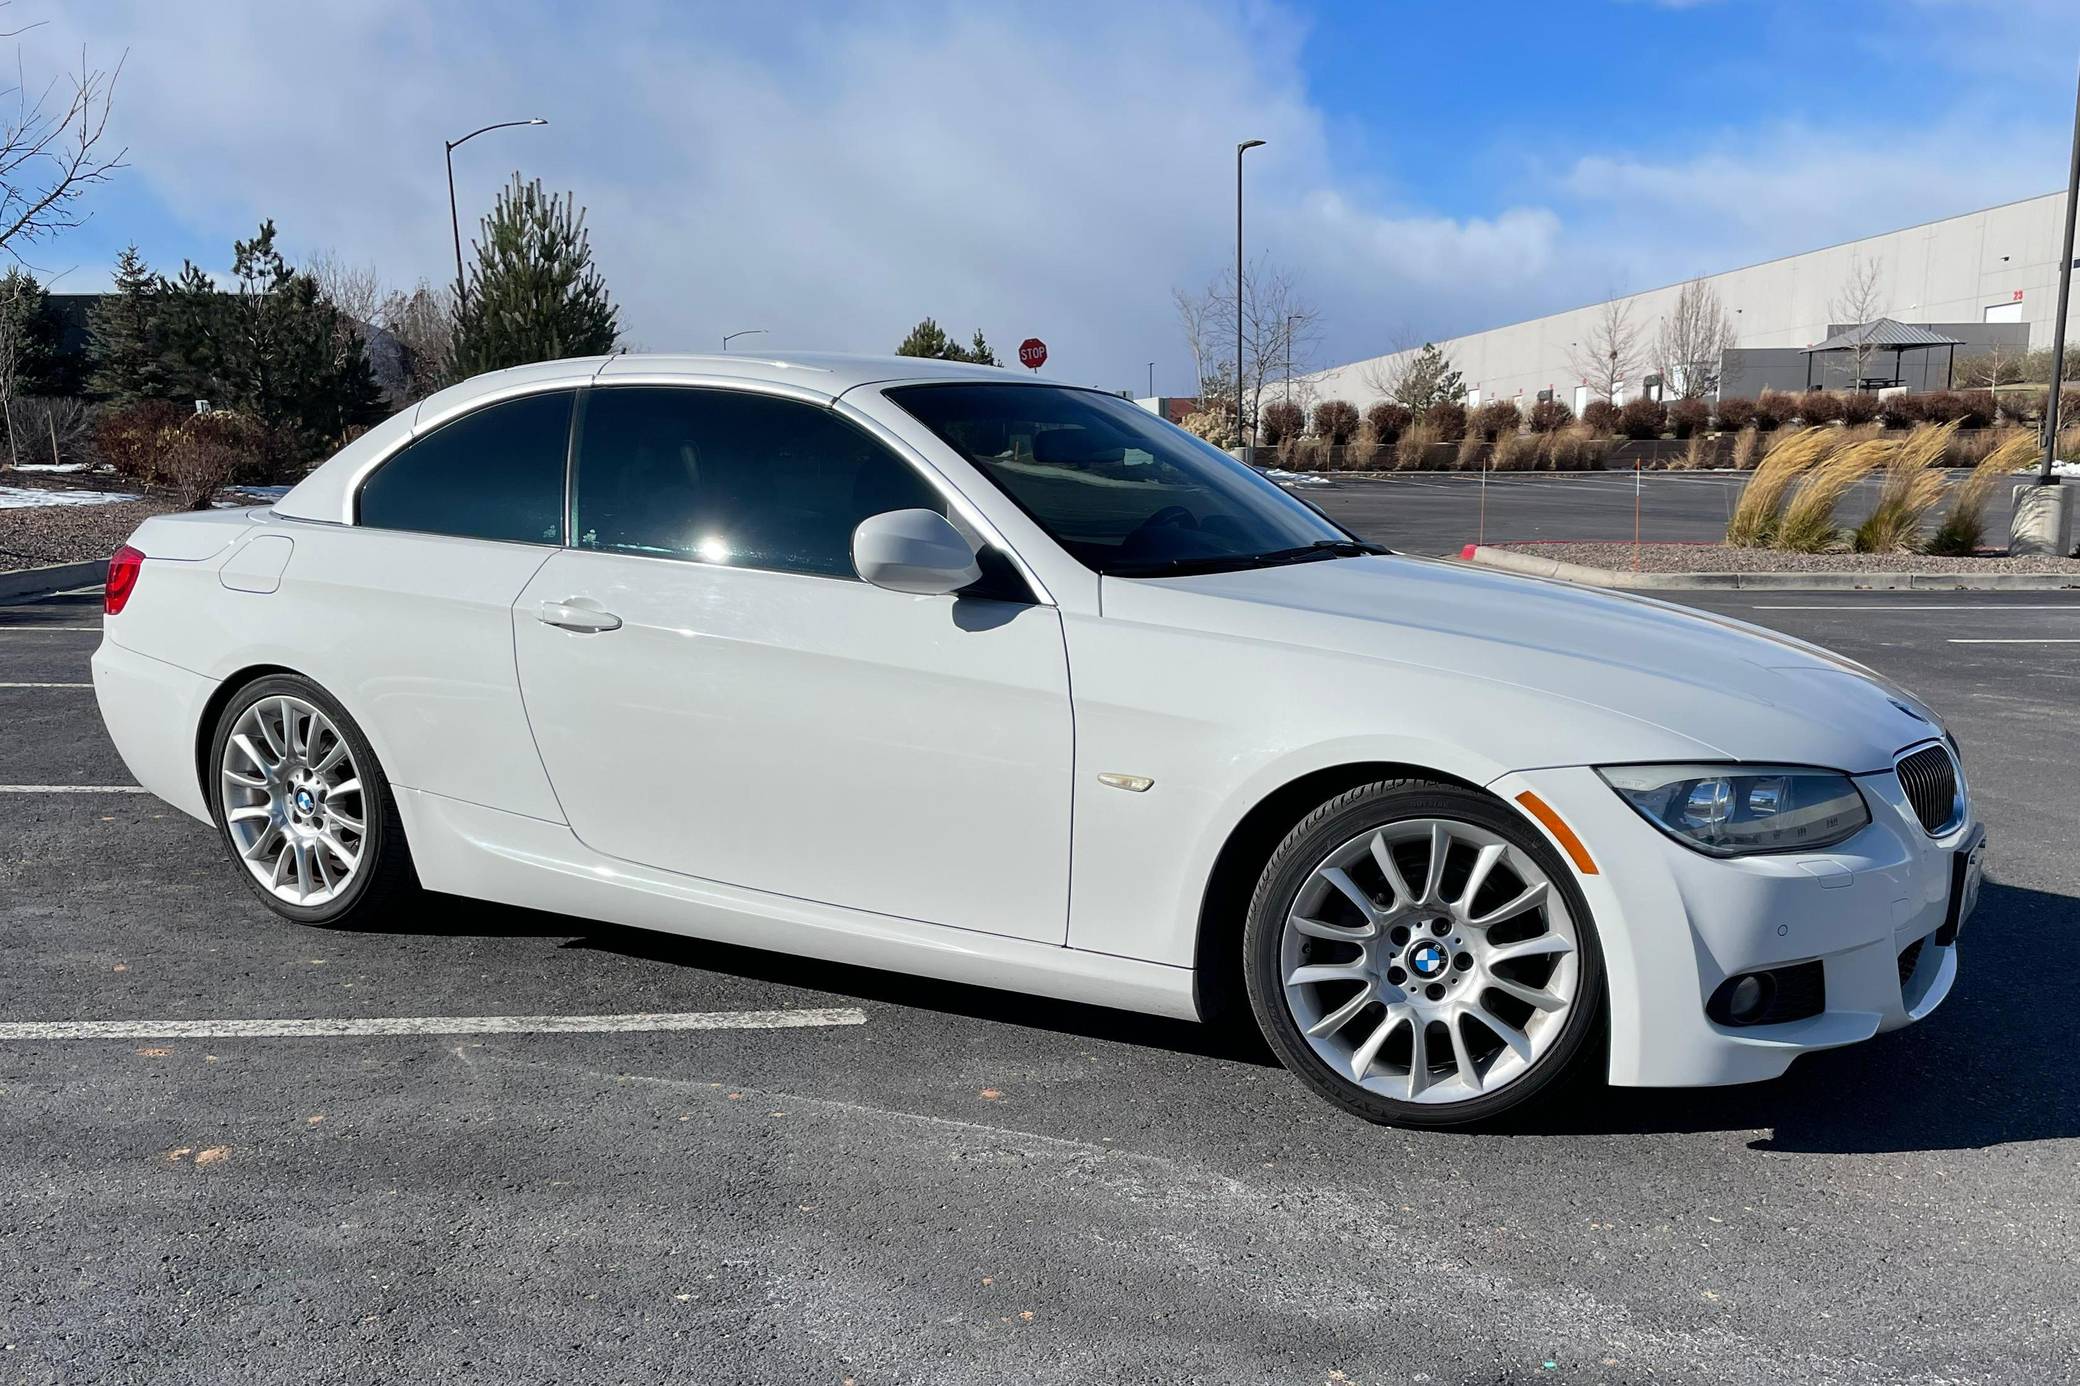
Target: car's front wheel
[[1420, 955], [303, 806]]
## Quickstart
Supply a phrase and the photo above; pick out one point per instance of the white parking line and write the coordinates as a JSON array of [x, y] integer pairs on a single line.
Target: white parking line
[[2018, 641], [72, 789], [430, 1025], [46, 685]]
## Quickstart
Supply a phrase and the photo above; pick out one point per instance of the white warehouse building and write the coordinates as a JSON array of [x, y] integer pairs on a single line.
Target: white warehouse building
[[1988, 279]]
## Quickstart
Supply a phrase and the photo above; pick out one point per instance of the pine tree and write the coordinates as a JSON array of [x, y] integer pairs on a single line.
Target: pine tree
[[533, 293], [123, 343], [928, 339], [286, 358], [1429, 378], [187, 332], [273, 348]]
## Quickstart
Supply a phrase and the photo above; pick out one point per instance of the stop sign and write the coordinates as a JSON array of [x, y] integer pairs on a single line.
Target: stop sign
[[1032, 353]]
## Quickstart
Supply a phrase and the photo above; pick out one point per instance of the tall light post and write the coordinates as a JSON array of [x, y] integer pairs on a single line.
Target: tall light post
[[1151, 380], [1291, 318], [454, 219], [1240, 150], [2058, 331], [729, 337]]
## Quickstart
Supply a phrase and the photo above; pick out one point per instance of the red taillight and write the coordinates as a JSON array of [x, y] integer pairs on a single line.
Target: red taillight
[[123, 567]]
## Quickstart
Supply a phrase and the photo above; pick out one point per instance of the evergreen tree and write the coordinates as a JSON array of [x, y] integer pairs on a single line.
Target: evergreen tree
[[930, 340], [123, 335], [534, 293], [29, 336], [273, 348], [286, 355], [1429, 378], [187, 330]]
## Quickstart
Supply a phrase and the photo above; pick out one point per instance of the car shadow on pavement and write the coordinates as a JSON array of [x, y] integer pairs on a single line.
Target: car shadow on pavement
[[1239, 1044], [1992, 1066]]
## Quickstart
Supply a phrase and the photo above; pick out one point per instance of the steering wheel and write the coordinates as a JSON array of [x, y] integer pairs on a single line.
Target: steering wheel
[[1170, 516]]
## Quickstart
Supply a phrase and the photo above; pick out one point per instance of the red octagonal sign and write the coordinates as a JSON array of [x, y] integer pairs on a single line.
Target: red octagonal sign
[[1032, 353]]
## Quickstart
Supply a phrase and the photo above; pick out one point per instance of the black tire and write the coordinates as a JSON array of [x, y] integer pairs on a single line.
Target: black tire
[[1340, 821], [385, 878]]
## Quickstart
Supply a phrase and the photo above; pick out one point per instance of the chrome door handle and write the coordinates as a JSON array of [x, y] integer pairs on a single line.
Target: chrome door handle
[[579, 614]]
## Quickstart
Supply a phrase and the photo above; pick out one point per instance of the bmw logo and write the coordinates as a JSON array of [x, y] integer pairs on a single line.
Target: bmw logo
[[305, 801], [1428, 959]]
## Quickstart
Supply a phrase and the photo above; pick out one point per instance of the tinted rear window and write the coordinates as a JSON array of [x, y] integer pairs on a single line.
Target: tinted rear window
[[496, 473]]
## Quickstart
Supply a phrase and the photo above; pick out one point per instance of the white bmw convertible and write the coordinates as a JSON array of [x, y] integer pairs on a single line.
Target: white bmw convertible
[[944, 670]]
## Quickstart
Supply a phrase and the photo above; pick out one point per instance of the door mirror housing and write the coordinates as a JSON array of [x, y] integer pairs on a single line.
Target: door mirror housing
[[915, 551]]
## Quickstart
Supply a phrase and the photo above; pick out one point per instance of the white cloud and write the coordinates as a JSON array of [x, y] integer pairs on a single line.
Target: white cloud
[[1050, 170], [1042, 171]]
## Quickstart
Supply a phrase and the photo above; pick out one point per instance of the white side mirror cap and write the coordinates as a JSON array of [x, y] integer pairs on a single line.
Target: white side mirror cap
[[915, 551]]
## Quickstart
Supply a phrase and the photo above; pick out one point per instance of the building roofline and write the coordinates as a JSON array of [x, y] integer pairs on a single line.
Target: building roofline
[[1715, 274]]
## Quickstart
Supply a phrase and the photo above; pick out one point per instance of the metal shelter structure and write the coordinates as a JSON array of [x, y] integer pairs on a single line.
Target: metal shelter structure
[[1886, 334]]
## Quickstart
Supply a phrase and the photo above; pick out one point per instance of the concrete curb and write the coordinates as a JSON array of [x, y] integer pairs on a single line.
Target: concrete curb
[[41, 582], [1509, 560]]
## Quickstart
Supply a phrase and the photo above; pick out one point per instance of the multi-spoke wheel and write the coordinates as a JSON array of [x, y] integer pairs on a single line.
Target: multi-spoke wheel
[[302, 802], [1420, 955]]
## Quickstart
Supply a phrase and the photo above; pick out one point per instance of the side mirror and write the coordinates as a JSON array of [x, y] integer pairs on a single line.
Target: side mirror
[[916, 551]]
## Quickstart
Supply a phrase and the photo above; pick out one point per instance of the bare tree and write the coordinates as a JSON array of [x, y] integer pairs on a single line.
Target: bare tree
[[1688, 346], [52, 150], [1195, 315], [356, 290], [1861, 300], [1281, 333], [424, 322], [1610, 352], [1383, 375]]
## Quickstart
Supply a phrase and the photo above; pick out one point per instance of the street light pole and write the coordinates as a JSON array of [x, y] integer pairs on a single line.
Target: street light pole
[[1240, 149], [454, 218], [1291, 318], [1151, 380], [729, 337], [2065, 289]]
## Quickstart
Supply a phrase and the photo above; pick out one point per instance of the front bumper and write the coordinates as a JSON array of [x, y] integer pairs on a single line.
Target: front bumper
[[1675, 923]]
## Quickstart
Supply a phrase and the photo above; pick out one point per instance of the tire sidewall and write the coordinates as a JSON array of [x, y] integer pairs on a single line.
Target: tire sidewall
[[1360, 811], [375, 795]]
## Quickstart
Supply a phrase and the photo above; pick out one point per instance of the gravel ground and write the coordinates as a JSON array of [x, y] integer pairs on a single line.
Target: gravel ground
[[36, 535], [1721, 558]]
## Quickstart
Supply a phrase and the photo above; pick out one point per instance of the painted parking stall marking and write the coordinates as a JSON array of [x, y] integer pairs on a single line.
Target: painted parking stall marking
[[71, 789], [641, 1023]]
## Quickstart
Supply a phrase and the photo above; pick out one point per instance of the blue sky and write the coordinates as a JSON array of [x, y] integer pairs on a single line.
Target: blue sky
[[833, 172]]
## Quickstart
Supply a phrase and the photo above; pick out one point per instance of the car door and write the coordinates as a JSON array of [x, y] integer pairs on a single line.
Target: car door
[[716, 693]]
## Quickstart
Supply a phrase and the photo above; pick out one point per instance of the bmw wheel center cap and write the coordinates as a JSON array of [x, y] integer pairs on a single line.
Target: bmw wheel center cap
[[1428, 959]]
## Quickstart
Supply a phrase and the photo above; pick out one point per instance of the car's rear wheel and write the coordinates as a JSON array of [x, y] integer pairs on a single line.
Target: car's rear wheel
[[303, 806], [1420, 955]]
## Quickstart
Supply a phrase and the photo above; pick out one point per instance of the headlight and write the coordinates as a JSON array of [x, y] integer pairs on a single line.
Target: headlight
[[1741, 810]]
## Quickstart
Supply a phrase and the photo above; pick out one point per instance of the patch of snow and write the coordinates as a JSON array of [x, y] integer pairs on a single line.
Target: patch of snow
[[1286, 478], [264, 492], [26, 498], [50, 466]]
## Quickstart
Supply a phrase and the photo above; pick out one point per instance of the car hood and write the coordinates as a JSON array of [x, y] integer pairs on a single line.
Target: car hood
[[1733, 690]]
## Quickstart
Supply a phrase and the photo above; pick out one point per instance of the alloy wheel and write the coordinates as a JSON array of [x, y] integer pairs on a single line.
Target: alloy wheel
[[1430, 960], [293, 801]]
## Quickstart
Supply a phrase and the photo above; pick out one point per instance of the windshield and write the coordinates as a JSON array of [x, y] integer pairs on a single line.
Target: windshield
[[1124, 492]]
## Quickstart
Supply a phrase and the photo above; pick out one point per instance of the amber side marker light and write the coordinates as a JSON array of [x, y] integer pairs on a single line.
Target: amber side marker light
[[1557, 826]]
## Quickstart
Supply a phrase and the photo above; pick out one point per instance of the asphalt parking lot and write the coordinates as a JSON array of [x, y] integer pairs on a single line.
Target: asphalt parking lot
[[1441, 512], [966, 1186]]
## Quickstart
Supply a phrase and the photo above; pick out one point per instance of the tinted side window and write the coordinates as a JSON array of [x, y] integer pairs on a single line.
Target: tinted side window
[[493, 474], [723, 476]]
